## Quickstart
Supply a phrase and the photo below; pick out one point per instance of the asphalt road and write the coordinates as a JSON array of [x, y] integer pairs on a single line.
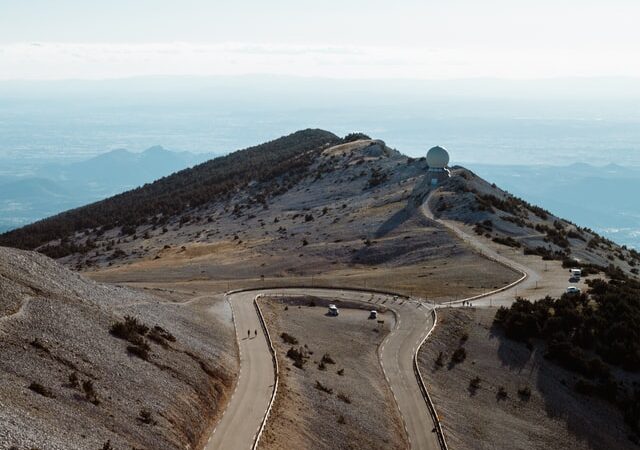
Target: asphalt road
[[247, 407], [250, 401]]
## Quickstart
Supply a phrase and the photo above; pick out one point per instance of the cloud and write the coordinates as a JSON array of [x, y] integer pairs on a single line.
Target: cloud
[[49, 60]]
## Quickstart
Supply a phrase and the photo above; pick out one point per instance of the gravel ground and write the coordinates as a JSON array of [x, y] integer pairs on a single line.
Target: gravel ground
[[553, 417], [306, 417], [55, 323]]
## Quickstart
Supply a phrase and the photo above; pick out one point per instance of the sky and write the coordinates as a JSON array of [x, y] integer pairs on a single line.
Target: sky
[[416, 39]]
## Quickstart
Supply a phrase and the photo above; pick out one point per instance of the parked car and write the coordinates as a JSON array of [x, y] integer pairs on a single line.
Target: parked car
[[573, 290], [575, 274], [333, 310], [373, 314]]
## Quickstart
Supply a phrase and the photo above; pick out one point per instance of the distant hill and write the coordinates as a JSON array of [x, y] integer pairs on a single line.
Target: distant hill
[[54, 188], [122, 168], [173, 194]]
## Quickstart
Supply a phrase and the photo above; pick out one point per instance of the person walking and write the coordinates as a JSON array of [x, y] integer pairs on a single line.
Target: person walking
[[256, 332], [248, 334]]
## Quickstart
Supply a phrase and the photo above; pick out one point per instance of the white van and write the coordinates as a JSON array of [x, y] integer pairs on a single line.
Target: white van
[[575, 274], [333, 310]]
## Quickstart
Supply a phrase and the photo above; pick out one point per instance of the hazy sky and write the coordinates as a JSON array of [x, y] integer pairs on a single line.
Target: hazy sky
[[44, 39]]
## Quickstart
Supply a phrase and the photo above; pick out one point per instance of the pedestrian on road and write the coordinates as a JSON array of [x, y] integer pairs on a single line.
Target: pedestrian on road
[[248, 334], [256, 332]]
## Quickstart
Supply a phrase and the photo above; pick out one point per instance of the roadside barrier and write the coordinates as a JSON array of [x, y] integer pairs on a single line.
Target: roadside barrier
[[275, 368], [423, 388]]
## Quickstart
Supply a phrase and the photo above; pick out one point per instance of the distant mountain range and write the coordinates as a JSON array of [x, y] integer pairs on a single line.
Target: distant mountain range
[[53, 188]]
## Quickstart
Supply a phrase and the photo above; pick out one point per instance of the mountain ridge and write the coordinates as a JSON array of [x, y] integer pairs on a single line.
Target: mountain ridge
[[290, 175]]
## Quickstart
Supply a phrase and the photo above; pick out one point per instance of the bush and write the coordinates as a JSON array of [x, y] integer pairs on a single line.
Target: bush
[[459, 355], [327, 359], [161, 336], [288, 339], [36, 343], [74, 381], [141, 351], [357, 136], [340, 372], [128, 329], [323, 388], [298, 356], [89, 392], [345, 398], [440, 360], [508, 241], [146, 417], [502, 393], [524, 393], [474, 384], [40, 389]]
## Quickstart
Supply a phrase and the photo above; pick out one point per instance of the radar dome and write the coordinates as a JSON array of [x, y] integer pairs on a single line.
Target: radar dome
[[437, 158]]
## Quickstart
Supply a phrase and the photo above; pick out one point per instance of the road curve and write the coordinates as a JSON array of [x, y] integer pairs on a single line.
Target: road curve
[[502, 296], [250, 401], [249, 404]]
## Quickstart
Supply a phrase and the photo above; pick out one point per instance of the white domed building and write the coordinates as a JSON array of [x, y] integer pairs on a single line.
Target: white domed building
[[437, 160]]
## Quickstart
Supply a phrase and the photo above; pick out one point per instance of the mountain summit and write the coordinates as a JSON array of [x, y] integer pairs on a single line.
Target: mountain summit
[[338, 202]]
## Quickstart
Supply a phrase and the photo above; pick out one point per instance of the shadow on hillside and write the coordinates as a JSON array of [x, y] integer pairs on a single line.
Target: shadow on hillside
[[512, 354], [584, 417], [393, 222]]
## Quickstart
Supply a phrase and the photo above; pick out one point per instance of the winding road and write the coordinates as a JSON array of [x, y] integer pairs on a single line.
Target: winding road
[[248, 408], [245, 413]]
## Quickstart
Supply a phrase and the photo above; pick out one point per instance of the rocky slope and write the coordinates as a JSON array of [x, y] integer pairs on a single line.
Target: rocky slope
[[515, 223], [71, 380], [323, 208]]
